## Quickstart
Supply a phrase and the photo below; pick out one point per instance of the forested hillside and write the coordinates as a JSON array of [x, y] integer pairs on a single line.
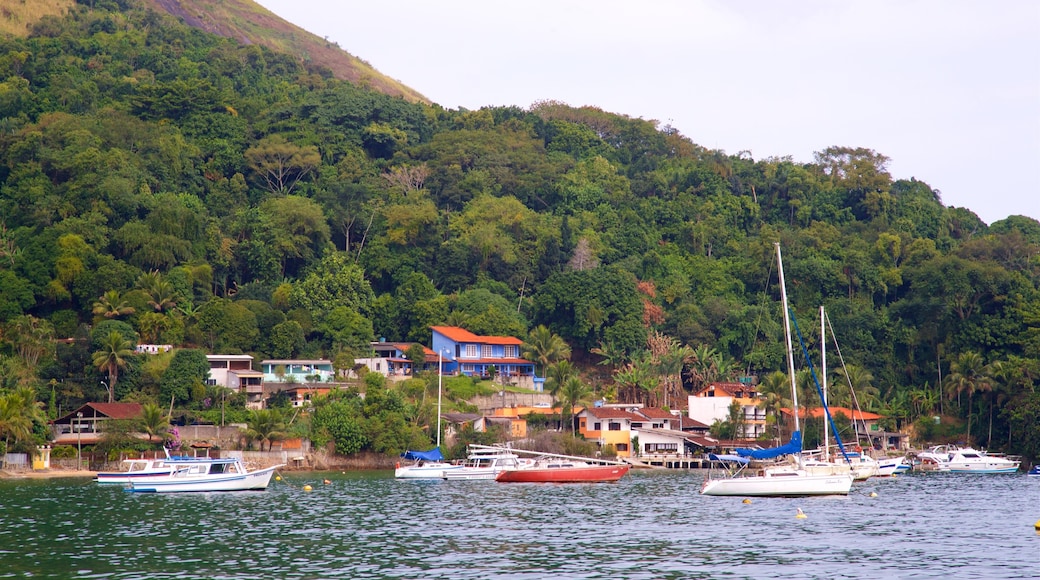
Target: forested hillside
[[181, 188]]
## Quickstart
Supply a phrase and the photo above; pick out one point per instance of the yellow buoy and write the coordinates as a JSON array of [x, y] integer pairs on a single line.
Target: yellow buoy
[[746, 500], [873, 494], [1037, 525], [800, 515], [307, 488], [278, 478]]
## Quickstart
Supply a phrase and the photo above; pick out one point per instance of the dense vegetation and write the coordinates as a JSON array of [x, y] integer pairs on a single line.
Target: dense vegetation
[[162, 185]]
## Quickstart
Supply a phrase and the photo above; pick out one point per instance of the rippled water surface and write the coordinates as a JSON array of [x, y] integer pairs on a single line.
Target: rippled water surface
[[649, 525]]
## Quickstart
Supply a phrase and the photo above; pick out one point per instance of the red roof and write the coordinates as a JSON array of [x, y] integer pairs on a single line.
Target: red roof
[[688, 423], [817, 412], [729, 390], [109, 410], [655, 413], [462, 335], [612, 413], [494, 361]]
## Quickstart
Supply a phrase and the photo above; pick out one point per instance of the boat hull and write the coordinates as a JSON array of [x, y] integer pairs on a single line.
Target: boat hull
[[590, 474], [973, 469], [428, 471], [889, 467], [779, 486], [254, 480]]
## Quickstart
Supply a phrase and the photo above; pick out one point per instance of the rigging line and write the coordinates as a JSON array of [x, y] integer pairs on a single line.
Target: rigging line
[[819, 391], [845, 371]]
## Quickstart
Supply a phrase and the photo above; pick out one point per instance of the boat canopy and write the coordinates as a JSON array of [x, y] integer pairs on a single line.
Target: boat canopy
[[791, 447], [431, 455], [729, 458]]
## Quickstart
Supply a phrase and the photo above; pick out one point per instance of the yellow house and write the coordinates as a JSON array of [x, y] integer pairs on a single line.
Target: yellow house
[[609, 426]]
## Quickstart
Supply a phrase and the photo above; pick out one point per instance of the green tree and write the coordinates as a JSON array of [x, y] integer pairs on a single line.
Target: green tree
[[338, 420], [544, 348], [281, 165], [287, 339], [112, 305], [113, 356], [967, 376], [573, 393], [188, 367], [227, 325], [153, 422], [335, 281], [265, 426], [296, 230]]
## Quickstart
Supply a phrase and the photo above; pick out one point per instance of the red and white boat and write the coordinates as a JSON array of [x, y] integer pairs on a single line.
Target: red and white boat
[[557, 470]]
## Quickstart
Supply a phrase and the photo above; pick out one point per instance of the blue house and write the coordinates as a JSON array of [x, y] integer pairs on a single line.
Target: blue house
[[472, 355], [297, 371]]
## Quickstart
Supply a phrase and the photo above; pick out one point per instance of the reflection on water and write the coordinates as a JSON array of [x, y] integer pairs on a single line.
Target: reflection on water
[[649, 525]]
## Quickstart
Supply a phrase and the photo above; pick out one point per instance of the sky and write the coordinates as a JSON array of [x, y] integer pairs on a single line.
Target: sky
[[948, 90]]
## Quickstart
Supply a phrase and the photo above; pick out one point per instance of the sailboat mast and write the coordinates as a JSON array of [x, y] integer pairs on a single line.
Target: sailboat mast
[[787, 334], [823, 363]]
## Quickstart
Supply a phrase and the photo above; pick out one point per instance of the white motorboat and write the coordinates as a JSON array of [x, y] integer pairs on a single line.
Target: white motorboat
[[486, 462], [936, 458], [206, 474], [138, 469], [784, 480], [426, 465], [889, 466], [968, 460]]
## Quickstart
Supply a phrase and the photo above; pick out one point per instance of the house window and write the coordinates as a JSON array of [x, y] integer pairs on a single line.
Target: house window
[[597, 426], [485, 351], [637, 425], [471, 351], [621, 447], [510, 351], [614, 426]]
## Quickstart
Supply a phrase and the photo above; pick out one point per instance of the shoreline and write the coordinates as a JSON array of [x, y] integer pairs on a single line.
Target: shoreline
[[46, 473]]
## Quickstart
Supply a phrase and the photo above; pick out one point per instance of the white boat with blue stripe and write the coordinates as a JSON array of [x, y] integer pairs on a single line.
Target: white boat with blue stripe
[[206, 474]]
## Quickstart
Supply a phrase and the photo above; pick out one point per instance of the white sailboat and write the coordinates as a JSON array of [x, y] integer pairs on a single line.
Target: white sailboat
[[860, 465], [428, 464], [793, 479]]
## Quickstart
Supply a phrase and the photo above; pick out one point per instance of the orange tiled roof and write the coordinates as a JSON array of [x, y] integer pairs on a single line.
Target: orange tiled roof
[[612, 413], [729, 389], [462, 335], [817, 412]]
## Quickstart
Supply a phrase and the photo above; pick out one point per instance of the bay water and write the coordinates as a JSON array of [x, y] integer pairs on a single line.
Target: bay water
[[651, 524]]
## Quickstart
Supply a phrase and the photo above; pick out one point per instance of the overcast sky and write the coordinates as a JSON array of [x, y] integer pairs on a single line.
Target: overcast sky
[[949, 90]]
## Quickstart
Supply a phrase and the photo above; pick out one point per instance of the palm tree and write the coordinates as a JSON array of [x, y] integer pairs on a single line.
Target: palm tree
[[161, 294], [573, 394], [556, 377], [703, 366], [115, 350], [19, 411], [967, 375], [613, 355], [111, 305], [153, 422], [265, 425], [544, 347]]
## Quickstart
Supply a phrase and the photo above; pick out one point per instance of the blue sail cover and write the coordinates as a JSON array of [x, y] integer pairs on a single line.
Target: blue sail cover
[[431, 455], [792, 446]]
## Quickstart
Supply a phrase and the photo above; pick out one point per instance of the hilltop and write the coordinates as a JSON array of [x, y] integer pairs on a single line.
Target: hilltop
[[242, 20]]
